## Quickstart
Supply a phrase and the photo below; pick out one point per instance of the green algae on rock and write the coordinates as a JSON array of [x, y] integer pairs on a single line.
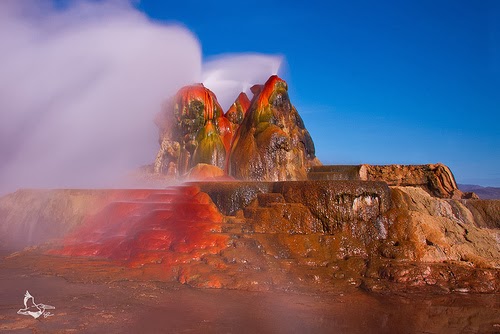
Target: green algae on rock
[[193, 130], [264, 139]]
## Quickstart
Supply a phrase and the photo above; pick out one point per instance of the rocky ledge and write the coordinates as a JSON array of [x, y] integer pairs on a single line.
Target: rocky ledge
[[435, 179], [318, 235], [287, 223]]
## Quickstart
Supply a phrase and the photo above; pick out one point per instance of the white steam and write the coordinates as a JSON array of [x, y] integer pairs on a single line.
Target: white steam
[[227, 74], [80, 86]]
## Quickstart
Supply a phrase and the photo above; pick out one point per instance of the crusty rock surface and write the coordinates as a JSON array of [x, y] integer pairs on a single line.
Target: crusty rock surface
[[272, 143], [429, 229], [486, 212], [237, 111], [193, 130], [264, 139], [436, 179], [321, 235]]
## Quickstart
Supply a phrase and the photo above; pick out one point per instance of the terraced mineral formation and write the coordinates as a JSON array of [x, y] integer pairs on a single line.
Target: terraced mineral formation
[[285, 222], [165, 228], [320, 235]]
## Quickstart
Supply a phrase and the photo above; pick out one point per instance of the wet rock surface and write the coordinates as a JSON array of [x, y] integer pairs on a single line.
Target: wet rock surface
[[338, 203], [127, 306], [166, 232], [31, 217], [264, 139], [237, 111], [193, 130], [272, 143], [303, 236], [409, 258], [233, 196]]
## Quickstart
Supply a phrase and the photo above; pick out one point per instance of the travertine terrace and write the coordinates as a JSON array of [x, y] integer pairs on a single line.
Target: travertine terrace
[[258, 211]]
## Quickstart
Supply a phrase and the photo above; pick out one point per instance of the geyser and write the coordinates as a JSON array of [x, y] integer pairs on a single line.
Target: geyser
[[226, 76], [382, 228], [264, 139], [392, 229], [80, 85]]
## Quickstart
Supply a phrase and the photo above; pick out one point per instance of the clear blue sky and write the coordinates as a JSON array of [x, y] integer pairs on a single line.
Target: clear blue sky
[[377, 82]]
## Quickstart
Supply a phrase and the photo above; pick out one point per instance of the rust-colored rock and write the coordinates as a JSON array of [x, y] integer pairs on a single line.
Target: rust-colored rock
[[237, 111], [270, 213], [193, 130], [436, 179], [321, 235], [206, 172], [167, 227], [272, 143], [262, 140]]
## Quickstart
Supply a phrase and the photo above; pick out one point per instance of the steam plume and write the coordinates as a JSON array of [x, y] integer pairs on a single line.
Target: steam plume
[[80, 86], [229, 74]]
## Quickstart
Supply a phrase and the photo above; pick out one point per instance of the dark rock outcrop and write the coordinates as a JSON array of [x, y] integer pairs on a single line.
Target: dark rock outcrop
[[233, 196]]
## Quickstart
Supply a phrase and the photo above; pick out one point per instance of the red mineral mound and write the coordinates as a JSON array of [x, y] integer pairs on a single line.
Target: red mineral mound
[[264, 139], [150, 226], [237, 111], [193, 130], [272, 143]]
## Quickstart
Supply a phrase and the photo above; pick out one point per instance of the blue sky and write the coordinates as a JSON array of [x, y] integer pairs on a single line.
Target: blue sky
[[378, 82]]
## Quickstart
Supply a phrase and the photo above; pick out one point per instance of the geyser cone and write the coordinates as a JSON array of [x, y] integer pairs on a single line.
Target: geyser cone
[[272, 143], [193, 130]]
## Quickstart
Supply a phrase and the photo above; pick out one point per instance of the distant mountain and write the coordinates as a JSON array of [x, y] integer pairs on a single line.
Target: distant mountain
[[482, 192]]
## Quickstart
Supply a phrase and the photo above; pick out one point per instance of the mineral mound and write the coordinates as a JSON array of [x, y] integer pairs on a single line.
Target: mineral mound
[[276, 218], [193, 130], [272, 143], [264, 139]]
